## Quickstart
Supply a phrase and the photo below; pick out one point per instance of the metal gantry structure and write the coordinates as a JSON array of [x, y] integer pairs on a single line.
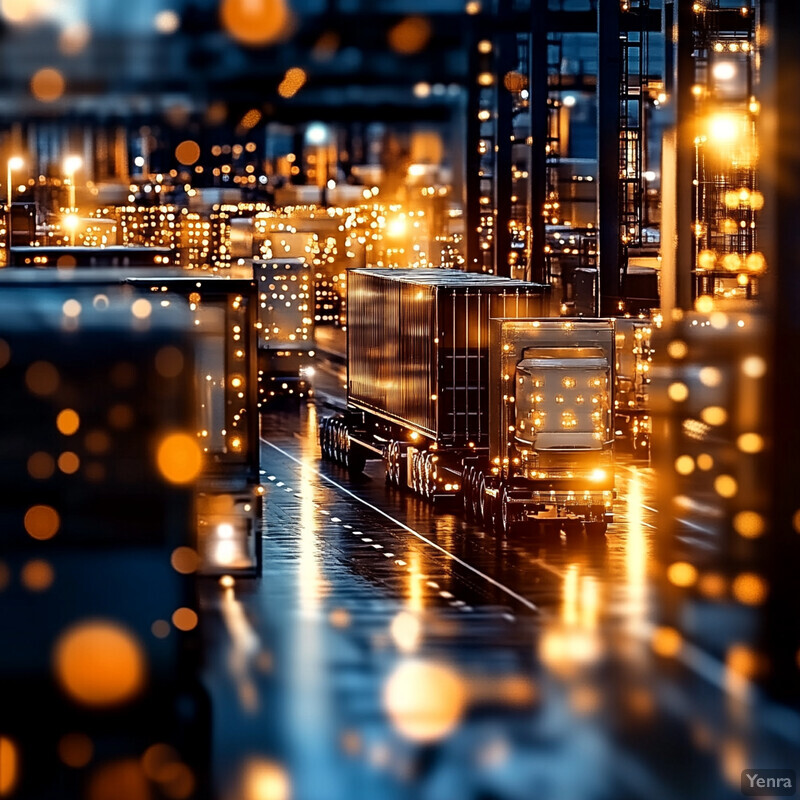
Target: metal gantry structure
[[518, 140], [726, 199]]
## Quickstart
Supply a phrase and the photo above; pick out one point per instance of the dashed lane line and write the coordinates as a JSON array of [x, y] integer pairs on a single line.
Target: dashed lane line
[[488, 578]]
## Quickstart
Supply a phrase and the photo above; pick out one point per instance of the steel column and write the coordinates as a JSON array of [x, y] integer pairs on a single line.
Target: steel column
[[608, 81]]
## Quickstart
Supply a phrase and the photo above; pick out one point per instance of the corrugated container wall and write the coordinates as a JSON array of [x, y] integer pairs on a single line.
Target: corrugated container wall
[[418, 346]]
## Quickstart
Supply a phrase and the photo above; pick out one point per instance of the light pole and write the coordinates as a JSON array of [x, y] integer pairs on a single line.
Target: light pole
[[71, 165], [14, 163]]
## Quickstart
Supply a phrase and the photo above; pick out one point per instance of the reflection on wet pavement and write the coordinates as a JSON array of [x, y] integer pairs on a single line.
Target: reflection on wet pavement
[[393, 652]]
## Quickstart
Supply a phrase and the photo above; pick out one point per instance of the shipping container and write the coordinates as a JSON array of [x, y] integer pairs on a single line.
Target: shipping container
[[286, 327], [418, 347]]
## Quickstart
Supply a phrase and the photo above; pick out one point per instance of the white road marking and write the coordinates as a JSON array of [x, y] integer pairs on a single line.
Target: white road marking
[[488, 578]]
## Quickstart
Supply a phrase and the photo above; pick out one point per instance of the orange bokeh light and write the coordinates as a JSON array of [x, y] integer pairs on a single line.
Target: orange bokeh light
[[99, 663]]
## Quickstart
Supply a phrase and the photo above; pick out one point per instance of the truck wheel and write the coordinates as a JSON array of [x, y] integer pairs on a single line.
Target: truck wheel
[[466, 492], [504, 516], [425, 476], [430, 474], [479, 506], [572, 528], [391, 451], [357, 459], [337, 442], [489, 504], [387, 472], [595, 529], [415, 477], [475, 489]]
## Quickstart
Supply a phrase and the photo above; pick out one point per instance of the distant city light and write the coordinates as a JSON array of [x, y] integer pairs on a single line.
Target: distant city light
[[569, 100], [316, 133], [167, 21]]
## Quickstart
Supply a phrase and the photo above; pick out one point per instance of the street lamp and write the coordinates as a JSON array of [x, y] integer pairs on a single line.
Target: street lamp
[[14, 163], [71, 165]]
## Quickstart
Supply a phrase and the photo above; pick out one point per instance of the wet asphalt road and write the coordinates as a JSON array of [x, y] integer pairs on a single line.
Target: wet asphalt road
[[390, 651]]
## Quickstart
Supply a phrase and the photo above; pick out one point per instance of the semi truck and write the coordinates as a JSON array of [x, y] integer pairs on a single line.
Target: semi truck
[[462, 388]]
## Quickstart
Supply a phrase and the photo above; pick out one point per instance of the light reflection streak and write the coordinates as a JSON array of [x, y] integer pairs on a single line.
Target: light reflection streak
[[416, 599], [636, 557], [569, 607], [310, 577], [244, 647]]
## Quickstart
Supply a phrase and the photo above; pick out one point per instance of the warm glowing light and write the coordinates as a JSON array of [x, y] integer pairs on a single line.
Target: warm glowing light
[[184, 619], [684, 465], [410, 35], [749, 524], [187, 152], [185, 560], [714, 415], [667, 642], [68, 422], [141, 308], [264, 780], [755, 262], [724, 128], [42, 378], [99, 663], [179, 458], [71, 222], [406, 630], [293, 81], [706, 259], [678, 392], [256, 23], [69, 463], [42, 522], [72, 164], [726, 486], [397, 227], [682, 574], [41, 466], [37, 575], [704, 304], [9, 766], [47, 85], [677, 349], [754, 367], [75, 750], [724, 70], [424, 700], [167, 22], [750, 589]]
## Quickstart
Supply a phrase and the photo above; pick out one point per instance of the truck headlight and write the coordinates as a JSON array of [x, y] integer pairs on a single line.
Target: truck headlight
[[598, 475]]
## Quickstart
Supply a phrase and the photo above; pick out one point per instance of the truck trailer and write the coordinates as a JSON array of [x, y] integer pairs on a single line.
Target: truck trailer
[[286, 327], [431, 359]]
